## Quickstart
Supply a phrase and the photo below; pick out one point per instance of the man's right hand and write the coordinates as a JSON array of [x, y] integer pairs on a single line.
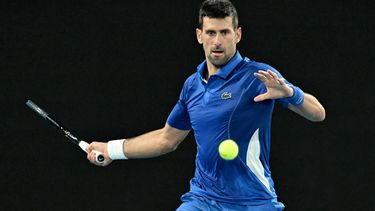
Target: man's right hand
[[101, 147]]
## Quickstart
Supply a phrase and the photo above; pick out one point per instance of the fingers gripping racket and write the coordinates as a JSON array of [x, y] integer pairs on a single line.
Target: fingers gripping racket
[[82, 144]]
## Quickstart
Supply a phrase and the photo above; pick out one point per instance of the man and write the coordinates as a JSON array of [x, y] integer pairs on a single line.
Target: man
[[229, 97]]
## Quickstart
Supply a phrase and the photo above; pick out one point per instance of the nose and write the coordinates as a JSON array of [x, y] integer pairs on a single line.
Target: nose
[[217, 40]]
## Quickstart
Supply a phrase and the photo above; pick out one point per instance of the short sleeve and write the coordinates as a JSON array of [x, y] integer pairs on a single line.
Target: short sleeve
[[179, 117]]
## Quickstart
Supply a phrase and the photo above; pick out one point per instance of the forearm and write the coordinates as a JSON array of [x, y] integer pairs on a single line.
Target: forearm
[[311, 109], [154, 143], [151, 144], [148, 145]]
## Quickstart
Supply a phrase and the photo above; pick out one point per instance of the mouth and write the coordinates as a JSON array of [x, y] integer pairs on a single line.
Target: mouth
[[217, 52]]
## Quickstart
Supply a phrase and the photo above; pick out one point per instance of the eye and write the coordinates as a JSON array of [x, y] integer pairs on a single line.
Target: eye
[[211, 33], [224, 32]]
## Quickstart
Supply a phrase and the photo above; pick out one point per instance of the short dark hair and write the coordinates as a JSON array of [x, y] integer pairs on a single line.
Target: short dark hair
[[218, 9]]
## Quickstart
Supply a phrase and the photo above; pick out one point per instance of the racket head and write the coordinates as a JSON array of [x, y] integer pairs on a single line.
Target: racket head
[[37, 109]]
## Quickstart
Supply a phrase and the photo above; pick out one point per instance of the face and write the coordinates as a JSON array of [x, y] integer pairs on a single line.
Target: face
[[219, 40]]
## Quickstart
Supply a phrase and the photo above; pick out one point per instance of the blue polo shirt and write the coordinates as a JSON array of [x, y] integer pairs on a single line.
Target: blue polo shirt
[[223, 108]]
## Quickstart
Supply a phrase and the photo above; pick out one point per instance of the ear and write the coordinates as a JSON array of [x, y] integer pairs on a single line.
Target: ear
[[238, 34], [198, 32]]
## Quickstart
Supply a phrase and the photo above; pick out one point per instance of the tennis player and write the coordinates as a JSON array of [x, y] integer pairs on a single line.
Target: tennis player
[[229, 97]]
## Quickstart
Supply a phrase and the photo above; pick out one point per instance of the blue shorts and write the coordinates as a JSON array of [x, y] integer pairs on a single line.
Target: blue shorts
[[196, 203]]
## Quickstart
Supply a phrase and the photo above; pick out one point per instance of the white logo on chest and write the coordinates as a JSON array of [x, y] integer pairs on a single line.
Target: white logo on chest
[[226, 95]]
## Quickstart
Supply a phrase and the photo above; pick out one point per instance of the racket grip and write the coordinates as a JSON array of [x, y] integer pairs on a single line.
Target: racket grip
[[98, 155]]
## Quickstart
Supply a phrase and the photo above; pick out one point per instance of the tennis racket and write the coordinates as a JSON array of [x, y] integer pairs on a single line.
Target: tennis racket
[[82, 144]]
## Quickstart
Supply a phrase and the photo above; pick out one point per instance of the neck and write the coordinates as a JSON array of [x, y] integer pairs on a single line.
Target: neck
[[212, 69]]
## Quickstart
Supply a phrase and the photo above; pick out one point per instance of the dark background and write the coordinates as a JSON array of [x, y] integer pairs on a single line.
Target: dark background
[[114, 69]]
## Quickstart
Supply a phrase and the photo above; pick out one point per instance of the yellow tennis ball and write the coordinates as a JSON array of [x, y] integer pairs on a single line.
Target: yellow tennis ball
[[228, 149]]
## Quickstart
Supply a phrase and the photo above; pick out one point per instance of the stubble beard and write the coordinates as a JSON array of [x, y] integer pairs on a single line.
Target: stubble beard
[[218, 62]]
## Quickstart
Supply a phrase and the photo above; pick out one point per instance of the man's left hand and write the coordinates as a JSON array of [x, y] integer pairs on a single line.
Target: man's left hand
[[276, 87]]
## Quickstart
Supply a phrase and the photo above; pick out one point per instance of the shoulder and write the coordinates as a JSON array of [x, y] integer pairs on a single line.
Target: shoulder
[[189, 83], [190, 80], [255, 65], [252, 66]]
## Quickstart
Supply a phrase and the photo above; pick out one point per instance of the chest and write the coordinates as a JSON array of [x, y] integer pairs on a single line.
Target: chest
[[221, 101]]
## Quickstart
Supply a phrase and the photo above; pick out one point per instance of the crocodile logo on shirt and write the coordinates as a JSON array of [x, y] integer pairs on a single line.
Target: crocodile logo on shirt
[[226, 95]]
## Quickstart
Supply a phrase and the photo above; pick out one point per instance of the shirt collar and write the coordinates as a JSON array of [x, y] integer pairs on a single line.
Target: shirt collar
[[224, 71]]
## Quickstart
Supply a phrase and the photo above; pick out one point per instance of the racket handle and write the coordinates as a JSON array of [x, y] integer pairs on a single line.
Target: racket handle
[[98, 155]]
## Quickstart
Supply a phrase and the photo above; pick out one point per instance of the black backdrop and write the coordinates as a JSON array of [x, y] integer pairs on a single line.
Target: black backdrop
[[112, 69]]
